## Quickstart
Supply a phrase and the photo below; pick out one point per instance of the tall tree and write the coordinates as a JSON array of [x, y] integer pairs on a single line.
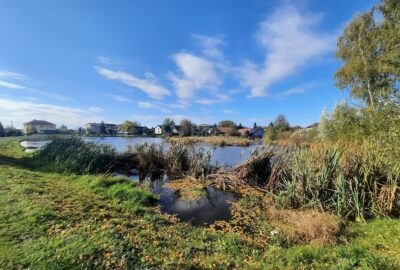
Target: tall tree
[[227, 123], [169, 125], [2, 132], [255, 125], [186, 127], [281, 124], [129, 126], [369, 49]]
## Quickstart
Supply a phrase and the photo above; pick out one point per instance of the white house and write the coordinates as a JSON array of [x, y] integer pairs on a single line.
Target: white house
[[158, 130], [39, 126]]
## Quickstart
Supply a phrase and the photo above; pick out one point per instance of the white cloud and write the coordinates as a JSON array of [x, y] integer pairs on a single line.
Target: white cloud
[[295, 90], [210, 45], [11, 75], [109, 61], [146, 105], [219, 98], [290, 43], [196, 73], [180, 104], [11, 85], [96, 109], [154, 105], [120, 98], [149, 86], [228, 111], [207, 101], [20, 111]]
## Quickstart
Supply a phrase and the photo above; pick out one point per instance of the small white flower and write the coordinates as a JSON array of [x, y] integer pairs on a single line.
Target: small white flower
[[274, 232]]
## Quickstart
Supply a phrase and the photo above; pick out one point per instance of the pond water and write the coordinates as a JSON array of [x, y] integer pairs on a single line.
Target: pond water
[[203, 211], [215, 205], [227, 156]]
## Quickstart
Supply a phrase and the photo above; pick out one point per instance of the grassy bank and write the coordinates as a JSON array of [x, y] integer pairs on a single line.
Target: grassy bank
[[51, 220], [214, 140]]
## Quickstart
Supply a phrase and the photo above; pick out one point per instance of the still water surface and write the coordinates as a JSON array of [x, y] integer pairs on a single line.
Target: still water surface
[[203, 211]]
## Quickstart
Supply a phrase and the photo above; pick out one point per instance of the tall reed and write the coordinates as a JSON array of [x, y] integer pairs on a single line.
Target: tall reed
[[355, 181], [75, 155]]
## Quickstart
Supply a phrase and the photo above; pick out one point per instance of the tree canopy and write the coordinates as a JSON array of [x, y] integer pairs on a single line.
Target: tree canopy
[[186, 127], [2, 133], [129, 126], [227, 123], [168, 124], [370, 52], [281, 124]]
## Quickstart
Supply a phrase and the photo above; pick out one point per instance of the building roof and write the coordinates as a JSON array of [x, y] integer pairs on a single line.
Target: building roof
[[313, 125], [39, 122], [242, 131], [224, 129]]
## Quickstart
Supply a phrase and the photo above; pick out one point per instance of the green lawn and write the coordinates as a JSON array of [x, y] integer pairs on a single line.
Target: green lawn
[[57, 221]]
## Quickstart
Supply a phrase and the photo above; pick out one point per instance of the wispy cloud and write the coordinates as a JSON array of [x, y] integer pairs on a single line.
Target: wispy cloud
[[119, 98], [207, 101], [290, 42], [11, 75], [210, 45], [228, 111], [109, 61], [96, 109], [295, 90], [218, 98], [146, 105], [195, 73], [20, 111], [149, 86], [11, 85]]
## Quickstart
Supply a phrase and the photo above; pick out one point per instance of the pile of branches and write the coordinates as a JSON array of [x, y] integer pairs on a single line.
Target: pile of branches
[[263, 169]]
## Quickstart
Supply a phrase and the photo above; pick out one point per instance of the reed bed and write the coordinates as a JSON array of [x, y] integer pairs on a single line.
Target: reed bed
[[177, 160], [75, 155], [353, 181]]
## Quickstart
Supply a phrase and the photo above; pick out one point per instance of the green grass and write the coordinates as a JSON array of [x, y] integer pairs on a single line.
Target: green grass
[[51, 220]]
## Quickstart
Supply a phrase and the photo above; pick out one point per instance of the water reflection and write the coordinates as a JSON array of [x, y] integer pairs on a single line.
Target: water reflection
[[215, 205], [203, 211]]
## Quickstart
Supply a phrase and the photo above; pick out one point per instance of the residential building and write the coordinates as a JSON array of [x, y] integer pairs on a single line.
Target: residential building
[[159, 130], [95, 128], [257, 133], [224, 130], [40, 127], [244, 132]]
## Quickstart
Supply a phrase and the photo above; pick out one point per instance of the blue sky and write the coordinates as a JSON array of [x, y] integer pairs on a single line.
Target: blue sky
[[73, 62]]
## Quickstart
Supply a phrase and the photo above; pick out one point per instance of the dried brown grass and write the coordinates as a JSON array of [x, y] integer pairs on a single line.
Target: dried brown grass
[[306, 226]]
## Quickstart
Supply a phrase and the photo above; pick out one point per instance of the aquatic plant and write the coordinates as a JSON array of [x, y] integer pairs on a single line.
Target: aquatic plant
[[151, 157], [177, 160], [75, 155], [354, 181]]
